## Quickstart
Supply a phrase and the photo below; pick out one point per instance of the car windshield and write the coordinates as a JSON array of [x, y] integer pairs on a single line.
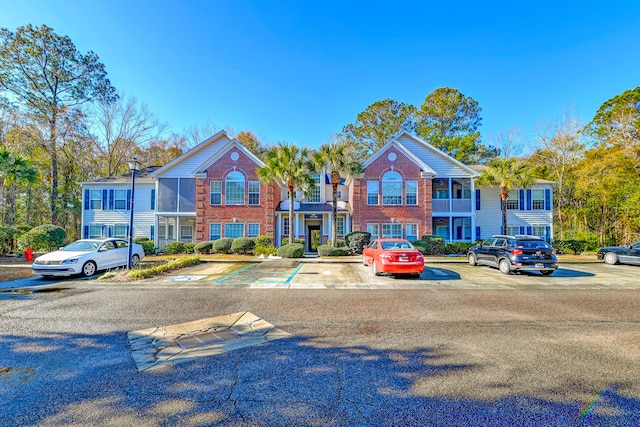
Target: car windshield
[[532, 244], [396, 245], [82, 246]]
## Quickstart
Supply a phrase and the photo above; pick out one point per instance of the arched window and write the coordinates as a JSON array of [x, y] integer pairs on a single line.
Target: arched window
[[234, 189], [391, 188]]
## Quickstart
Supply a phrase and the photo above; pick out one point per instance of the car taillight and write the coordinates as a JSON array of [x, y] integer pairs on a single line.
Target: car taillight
[[516, 252]]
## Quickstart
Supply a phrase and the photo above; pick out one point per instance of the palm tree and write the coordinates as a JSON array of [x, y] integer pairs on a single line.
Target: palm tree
[[337, 158], [292, 166], [506, 173]]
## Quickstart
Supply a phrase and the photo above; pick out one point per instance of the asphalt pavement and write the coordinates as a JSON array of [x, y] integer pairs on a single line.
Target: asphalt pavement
[[459, 346]]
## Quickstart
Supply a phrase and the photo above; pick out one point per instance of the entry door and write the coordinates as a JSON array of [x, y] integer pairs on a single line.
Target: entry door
[[313, 238]]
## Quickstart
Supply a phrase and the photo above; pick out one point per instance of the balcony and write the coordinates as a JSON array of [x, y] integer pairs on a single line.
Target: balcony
[[451, 205]]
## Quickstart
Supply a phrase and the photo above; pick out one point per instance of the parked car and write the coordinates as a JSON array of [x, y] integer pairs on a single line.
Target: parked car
[[620, 254], [87, 256], [396, 256], [515, 253]]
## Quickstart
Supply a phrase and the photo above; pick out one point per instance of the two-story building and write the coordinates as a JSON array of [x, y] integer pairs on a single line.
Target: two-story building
[[408, 189]]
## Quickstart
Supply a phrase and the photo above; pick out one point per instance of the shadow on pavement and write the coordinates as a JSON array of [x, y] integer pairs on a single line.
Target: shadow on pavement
[[63, 379]]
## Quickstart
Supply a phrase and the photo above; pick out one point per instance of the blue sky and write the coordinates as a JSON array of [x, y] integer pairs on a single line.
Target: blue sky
[[300, 71]]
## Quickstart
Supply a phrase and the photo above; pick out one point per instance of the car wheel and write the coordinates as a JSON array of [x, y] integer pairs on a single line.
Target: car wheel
[[375, 269], [547, 272], [472, 259], [610, 258], [364, 261], [89, 269], [505, 266], [135, 260]]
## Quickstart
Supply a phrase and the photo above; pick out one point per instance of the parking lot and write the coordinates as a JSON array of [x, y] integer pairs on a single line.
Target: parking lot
[[460, 345]]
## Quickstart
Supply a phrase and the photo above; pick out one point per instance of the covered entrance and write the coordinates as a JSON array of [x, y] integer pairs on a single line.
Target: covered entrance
[[313, 237]]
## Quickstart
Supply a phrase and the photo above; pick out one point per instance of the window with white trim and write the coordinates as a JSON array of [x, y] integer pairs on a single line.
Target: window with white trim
[[254, 192], [513, 201], [234, 189], [391, 188], [513, 230], [120, 200], [120, 231], [539, 231], [411, 191], [537, 199], [373, 191], [186, 232], [215, 194], [285, 225], [215, 231], [95, 231], [253, 229], [412, 232], [340, 226], [95, 197], [392, 231], [233, 230], [314, 192], [374, 230]]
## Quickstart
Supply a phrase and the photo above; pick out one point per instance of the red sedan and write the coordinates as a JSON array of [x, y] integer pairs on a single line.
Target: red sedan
[[393, 256]]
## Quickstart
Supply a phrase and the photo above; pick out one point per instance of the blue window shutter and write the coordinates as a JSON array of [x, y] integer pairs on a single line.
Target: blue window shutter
[[86, 200], [85, 232], [104, 199], [477, 233], [521, 229], [109, 231], [529, 230], [111, 199], [521, 197], [547, 199], [128, 199], [528, 200], [153, 204], [152, 237], [477, 200], [547, 231]]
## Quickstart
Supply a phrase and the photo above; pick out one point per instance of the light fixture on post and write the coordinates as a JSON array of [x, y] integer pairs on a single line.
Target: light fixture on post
[[134, 166]]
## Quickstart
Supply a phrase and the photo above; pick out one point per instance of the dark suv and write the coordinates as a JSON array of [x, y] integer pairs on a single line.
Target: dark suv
[[515, 253]]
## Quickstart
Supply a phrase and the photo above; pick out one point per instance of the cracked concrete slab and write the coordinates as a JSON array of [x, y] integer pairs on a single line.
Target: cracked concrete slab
[[164, 346]]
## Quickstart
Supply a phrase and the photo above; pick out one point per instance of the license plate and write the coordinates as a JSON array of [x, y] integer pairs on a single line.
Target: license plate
[[539, 265], [403, 259]]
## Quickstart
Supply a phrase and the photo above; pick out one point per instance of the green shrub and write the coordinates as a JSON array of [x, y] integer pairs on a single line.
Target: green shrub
[[357, 240], [340, 243], [296, 240], [7, 235], [457, 248], [189, 248], [422, 246], [147, 245], [328, 250], [174, 248], [203, 247], [243, 245], [222, 246], [263, 240], [569, 246], [264, 250], [295, 250], [43, 238], [435, 245], [172, 265]]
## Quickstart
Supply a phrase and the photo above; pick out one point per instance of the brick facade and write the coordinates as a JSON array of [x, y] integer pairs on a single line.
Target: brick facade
[[262, 213], [420, 214]]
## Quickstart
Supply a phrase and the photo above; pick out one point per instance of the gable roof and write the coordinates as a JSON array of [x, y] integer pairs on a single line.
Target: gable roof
[[394, 143], [422, 150], [211, 149]]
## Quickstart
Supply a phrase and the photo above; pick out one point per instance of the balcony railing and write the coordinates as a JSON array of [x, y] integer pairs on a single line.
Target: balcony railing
[[451, 205]]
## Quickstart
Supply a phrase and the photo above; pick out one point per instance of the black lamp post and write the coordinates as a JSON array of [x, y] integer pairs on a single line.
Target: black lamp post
[[134, 166]]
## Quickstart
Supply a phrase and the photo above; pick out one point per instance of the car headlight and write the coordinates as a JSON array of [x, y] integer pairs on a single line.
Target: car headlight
[[70, 261]]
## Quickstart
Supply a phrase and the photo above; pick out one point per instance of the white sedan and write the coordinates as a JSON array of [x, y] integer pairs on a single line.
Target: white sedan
[[86, 257]]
